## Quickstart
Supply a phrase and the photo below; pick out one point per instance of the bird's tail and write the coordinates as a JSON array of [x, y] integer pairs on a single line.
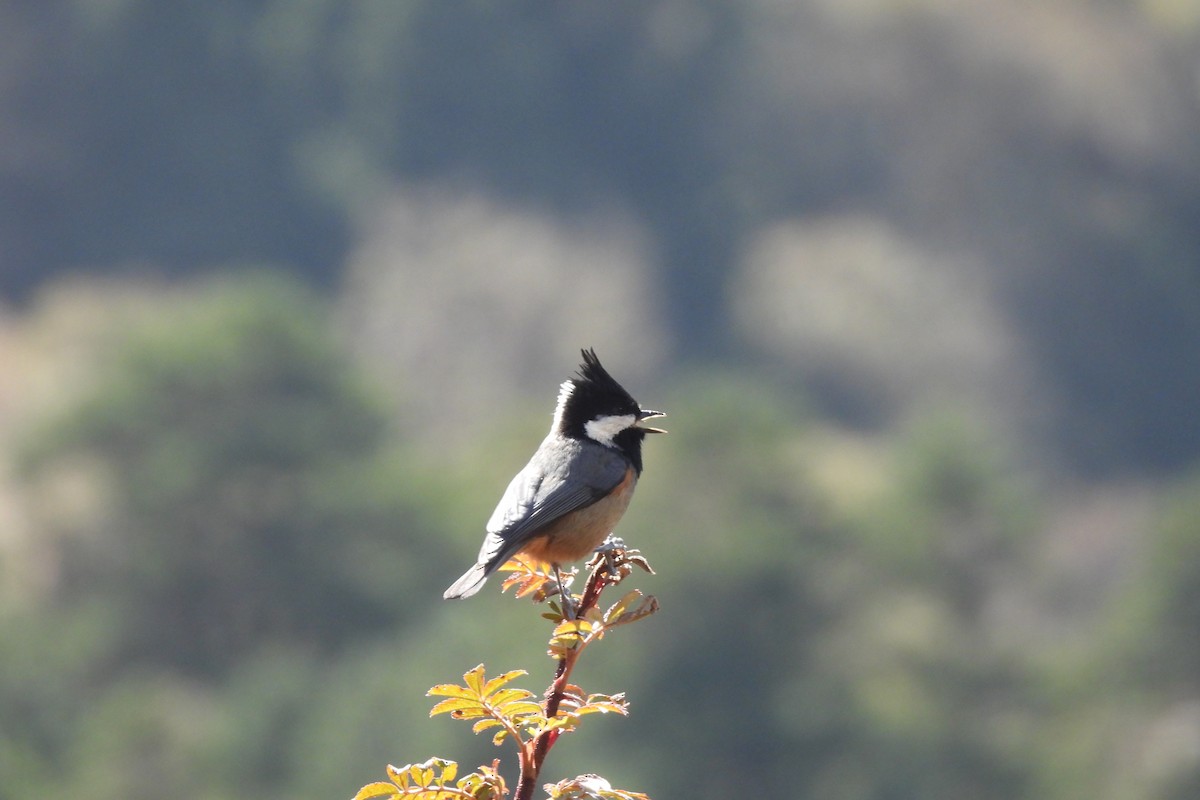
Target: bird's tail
[[470, 583]]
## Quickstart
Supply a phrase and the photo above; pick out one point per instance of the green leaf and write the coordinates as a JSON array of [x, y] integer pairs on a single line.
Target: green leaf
[[574, 627], [647, 606], [618, 608]]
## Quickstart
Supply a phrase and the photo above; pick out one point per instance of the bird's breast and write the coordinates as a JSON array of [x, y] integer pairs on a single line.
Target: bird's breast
[[574, 536]]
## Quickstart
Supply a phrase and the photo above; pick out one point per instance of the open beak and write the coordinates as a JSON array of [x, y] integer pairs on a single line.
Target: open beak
[[646, 414]]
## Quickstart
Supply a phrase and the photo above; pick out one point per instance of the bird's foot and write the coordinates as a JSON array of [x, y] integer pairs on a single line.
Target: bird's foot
[[568, 603], [615, 559], [611, 543], [612, 550]]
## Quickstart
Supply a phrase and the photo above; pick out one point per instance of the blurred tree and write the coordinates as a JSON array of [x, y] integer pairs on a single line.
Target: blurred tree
[[927, 652], [1162, 645], [1126, 698], [267, 566], [150, 137], [1172, 588], [853, 653], [1054, 143], [238, 447]]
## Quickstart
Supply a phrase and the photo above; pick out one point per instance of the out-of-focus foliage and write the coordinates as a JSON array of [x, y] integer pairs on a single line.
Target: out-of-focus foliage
[[235, 444], [1046, 152], [869, 662], [243, 481], [428, 270], [257, 574], [916, 282]]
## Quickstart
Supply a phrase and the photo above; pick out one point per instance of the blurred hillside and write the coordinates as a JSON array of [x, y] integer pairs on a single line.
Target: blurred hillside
[[288, 288]]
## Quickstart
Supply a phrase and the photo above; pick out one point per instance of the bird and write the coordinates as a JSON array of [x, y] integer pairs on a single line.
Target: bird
[[566, 501]]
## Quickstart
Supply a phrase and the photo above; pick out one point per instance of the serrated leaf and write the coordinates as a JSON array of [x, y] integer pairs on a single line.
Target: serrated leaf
[[473, 680], [520, 563], [574, 627], [399, 775], [618, 608], [589, 787], [528, 586], [498, 681], [485, 724], [565, 721], [506, 696], [515, 710], [647, 606], [378, 789], [603, 708], [460, 705], [412, 776], [529, 577], [450, 690], [619, 697], [470, 714]]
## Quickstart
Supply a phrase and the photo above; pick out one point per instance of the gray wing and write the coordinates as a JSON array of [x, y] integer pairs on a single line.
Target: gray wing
[[564, 475]]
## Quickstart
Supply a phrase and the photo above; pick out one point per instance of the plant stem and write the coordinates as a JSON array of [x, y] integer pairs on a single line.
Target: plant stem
[[554, 695]]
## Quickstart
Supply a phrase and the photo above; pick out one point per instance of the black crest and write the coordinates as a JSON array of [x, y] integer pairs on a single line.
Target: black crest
[[591, 394], [594, 381]]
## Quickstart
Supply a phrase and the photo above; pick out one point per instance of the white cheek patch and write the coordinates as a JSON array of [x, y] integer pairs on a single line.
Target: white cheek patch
[[605, 429]]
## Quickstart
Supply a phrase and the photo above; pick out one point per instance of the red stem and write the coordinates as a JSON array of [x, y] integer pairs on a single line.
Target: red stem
[[554, 695]]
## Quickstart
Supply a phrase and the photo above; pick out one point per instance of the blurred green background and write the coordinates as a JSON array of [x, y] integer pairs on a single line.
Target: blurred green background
[[288, 287]]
